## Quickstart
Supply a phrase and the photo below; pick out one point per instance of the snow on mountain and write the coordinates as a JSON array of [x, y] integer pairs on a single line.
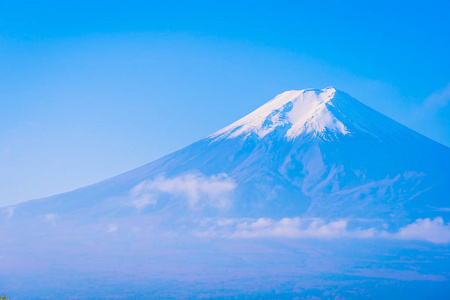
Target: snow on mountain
[[326, 113], [304, 111], [312, 182]]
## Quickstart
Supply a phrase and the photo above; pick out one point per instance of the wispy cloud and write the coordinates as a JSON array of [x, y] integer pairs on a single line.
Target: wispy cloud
[[192, 187], [434, 231], [50, 217], [142, 200], [439, 99], [112, 228], [9, 211], [433, 103]]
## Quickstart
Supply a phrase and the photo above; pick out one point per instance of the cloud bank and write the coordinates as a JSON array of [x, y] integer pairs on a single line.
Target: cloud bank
[[433, 231], [197, 189]]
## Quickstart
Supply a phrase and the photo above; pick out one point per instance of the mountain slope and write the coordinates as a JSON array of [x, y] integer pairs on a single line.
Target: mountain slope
[[315, 152], [312, 182]]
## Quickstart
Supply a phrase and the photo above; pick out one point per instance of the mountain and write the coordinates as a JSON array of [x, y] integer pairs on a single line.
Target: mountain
[[309, 171], [318, 153]]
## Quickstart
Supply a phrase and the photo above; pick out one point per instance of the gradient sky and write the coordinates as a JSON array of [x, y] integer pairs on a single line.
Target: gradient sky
[[90, 89]]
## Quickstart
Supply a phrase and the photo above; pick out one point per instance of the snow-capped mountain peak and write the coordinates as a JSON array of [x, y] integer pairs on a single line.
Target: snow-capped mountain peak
[[298, 112], [309, 165]]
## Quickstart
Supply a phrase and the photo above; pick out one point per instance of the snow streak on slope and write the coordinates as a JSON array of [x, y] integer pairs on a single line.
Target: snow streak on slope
[[304, 111]]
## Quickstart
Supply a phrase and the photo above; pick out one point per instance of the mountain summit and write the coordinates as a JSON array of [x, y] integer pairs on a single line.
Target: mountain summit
[[308, 165], [307, 111], [325, 114]]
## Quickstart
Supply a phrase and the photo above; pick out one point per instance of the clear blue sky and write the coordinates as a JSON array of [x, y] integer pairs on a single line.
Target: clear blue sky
[[90, 89]]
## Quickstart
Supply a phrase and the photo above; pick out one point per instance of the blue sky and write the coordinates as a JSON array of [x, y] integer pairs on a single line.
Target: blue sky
[[90, 89]]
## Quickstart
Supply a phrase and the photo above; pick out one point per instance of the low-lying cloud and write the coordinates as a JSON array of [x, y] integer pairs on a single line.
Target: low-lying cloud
[[291, 228], [197, 189], [286, 228], [434, 231]]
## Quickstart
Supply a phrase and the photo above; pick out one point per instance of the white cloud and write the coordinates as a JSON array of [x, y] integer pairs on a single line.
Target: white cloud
[[285, 228], [446, 209], [296, 228], [10, 211], [50, 217], [439, 99], [433, 103], [112, 228], [141, 201], [193, 187], [434, 231]]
